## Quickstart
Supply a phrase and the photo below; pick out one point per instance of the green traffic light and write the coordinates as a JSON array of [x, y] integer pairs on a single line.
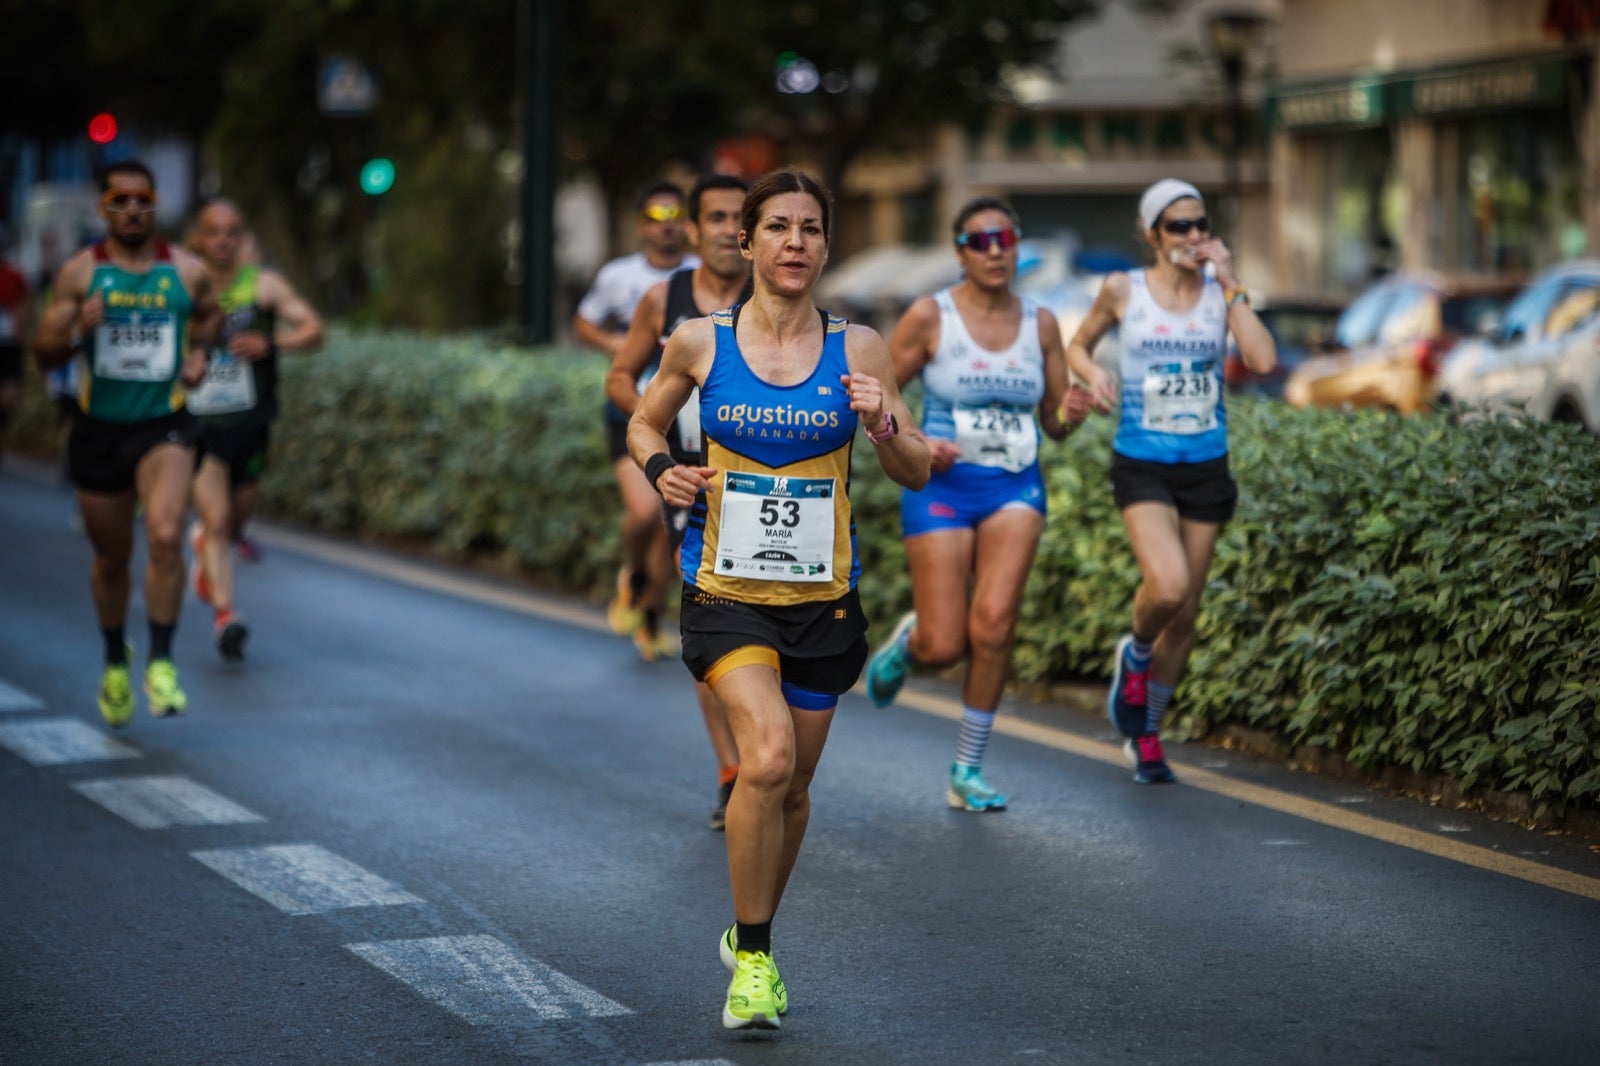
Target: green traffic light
[[377, 176]]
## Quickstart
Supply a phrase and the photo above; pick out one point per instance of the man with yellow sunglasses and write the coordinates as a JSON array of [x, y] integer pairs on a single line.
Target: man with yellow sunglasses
[[602, 322]]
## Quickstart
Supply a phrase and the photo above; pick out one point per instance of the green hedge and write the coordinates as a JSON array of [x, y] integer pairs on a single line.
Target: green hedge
[[1405, 593]]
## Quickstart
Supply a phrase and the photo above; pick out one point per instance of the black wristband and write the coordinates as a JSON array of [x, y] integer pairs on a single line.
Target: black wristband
[[655, 466]]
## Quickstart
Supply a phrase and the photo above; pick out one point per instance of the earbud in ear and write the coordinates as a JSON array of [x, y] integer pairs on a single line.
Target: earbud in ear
[[744, 242]]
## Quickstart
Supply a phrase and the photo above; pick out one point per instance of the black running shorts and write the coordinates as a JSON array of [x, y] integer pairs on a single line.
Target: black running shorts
[[821, 647], [104, 456], [242, 449], [1200, 492]]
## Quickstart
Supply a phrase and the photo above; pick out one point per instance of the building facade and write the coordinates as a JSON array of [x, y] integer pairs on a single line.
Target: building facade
[[1452, 135]]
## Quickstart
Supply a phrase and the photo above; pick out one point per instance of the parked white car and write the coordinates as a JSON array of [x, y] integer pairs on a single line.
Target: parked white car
[[1544, 357]]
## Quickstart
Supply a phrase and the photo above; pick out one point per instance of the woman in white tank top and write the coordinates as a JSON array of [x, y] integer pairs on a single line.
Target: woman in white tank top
[[993, 376], [1169, 466]]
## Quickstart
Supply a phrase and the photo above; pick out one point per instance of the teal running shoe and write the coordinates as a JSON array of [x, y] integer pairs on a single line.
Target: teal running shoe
[[970, 792], [890, 665]]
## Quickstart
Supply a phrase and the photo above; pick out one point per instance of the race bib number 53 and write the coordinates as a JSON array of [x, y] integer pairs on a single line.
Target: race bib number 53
[[776, 528]]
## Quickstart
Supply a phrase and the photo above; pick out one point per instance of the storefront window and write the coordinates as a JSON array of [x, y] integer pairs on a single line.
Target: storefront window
[[1360, 245], [1517, 191]]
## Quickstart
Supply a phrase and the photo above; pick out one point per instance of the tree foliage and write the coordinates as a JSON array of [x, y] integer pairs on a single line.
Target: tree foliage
[[640, 86]]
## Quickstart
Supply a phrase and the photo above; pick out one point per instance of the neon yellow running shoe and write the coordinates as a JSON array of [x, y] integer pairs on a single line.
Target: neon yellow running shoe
[[728, 951], [621, 615], [116, 695], [161, 687], [753, 993]]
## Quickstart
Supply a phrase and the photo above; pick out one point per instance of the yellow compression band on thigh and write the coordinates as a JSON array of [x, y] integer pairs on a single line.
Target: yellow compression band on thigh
[[749, 655]]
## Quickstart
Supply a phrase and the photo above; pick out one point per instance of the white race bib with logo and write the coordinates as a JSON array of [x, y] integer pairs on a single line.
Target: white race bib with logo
[[229, 387], [1180, 397], [136, 346], [998, 435], [776, 528]]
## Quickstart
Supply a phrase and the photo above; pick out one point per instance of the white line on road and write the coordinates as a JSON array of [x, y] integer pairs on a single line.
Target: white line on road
[[14, 699], [163, 802], [57, 741], [303, 878], [483, 981]]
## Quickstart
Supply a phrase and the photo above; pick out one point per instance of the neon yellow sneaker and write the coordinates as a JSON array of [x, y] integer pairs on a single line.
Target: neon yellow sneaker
[[161, 688], [753, 993], [116, 695], [621, 615], [728, 951]]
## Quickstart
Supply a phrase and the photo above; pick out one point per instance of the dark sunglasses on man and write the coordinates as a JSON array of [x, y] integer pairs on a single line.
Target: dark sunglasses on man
[[985, 239], [121, 202], [663, 212]]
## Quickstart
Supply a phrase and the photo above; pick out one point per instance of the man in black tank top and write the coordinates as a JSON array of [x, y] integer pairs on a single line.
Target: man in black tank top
[[721, 279]]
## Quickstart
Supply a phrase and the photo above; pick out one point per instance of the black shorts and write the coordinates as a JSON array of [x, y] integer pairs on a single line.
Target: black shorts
[[104, 456], [821, 647], [10, 362], [1201, 492], [242, 449], [616, 440]]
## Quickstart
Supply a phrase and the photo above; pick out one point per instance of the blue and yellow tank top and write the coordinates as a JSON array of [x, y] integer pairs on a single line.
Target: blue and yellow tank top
[[132, 360], [777, 528]]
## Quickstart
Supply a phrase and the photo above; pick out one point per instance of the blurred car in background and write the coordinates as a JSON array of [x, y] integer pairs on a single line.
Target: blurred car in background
[[1544, 357], [1390, 342], [1301, 327]]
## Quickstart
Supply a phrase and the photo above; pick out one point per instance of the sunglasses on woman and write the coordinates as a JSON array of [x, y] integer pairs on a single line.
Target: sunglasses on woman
[[1180, 227], [985, 239]]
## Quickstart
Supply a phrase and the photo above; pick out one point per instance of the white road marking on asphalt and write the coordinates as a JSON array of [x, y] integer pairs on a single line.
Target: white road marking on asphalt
[[14, 699], [1454, 828], [483, 981], [57, 741], [1284, 843], [303, 878], [163, 802]]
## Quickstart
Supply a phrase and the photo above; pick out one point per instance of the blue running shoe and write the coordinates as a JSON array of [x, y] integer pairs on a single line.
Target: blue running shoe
[[1125, 699], [888, 669], [1149, 761], [968, 791]]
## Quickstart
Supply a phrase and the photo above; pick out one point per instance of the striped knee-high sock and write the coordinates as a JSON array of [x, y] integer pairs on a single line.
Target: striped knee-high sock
[[1156, 698], [974, 736]]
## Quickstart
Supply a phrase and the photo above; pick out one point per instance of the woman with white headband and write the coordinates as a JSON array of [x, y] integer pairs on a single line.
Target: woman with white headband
[[1169, 463]]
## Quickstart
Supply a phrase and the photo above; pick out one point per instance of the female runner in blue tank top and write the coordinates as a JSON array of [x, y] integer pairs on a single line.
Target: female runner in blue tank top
[[770, 616], [1169, 464], [987, 360]]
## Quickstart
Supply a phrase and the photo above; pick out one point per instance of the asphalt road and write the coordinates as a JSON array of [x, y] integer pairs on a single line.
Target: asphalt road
[[435, 818]]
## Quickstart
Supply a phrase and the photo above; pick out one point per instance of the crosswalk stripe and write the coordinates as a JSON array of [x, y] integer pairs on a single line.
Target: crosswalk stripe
[[57, 741], [163, 802], [14, 699], [483, 981], [303, 878]]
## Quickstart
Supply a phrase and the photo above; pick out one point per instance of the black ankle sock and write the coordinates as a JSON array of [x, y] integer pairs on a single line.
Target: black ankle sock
[[116, 646], [757, 937], [161, 640], [652, 621], [638, 580]]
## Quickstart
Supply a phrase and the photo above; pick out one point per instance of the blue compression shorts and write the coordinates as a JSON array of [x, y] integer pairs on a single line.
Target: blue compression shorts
[[963, 496]]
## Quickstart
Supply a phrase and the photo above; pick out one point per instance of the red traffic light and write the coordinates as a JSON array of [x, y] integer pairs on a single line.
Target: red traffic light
[[103, 128]]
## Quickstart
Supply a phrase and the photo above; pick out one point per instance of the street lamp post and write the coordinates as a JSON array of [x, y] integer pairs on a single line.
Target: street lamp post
[[1234, 34]]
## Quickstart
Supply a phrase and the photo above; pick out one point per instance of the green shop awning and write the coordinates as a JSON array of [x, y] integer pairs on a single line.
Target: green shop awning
[[1460, 89]]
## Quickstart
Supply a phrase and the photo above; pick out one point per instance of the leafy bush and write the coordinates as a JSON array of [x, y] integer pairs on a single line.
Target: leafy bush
[[1405, 593]]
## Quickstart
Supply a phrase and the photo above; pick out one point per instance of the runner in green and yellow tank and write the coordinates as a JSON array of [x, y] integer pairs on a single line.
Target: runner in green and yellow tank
[[139, 314], [237, 402]]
